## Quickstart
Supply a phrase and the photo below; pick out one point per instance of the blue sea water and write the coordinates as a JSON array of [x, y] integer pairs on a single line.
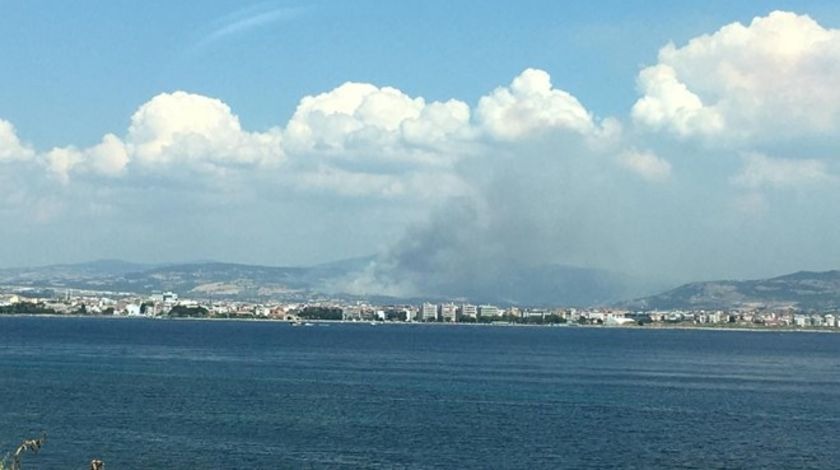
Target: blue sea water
[[142, 394]]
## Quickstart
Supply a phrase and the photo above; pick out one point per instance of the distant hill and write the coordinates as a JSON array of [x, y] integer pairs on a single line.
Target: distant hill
[[804, 290], [201, 279], [550, 285], [104, 267], [545, 285]]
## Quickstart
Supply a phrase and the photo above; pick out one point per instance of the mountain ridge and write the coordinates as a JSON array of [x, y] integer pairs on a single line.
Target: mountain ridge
[[540, 285], [804, 290]]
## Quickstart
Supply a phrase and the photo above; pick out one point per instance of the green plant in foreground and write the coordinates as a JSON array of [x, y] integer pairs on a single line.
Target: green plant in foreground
[[11, 461]]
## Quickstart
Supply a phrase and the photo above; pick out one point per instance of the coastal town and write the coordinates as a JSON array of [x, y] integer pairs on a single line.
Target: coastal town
[[164, 305]]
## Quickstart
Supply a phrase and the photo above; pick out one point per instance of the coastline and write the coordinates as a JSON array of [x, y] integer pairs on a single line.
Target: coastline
[[648, 327]]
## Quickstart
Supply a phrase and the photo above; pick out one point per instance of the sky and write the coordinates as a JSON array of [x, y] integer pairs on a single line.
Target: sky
[[671, 140]]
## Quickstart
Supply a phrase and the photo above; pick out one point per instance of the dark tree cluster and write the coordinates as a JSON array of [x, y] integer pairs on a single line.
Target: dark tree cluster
[[183, 311], [321, 313], [26, 308]]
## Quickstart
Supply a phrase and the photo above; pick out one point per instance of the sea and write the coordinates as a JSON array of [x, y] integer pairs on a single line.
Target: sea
[[193, 394]]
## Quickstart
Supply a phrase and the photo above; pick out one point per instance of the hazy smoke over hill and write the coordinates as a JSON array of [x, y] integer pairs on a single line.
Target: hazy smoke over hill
[[530, 215]]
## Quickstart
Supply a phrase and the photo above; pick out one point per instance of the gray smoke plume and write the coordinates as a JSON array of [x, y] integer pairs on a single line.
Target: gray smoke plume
[[538, 226]]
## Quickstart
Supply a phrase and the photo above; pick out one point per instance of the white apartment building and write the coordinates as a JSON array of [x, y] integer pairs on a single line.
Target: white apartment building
[[488, 311], [447, 312], [469, 311], [428, 312]]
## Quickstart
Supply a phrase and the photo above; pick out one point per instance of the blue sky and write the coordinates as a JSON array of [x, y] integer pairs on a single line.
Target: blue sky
[[166, 131]]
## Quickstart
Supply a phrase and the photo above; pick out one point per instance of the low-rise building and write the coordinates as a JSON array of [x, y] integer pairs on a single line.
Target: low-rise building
[[132, 310]]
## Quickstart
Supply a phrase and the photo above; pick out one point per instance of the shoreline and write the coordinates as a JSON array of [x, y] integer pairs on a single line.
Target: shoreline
[[648, 327]]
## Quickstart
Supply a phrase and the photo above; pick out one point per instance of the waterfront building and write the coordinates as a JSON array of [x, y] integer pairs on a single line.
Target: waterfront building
[[447, 312], [428, 312], [531, 313], [8, 299], [488, 311], [469, 311], [132, 310], [352, 312], [616, 320], [169, 297]]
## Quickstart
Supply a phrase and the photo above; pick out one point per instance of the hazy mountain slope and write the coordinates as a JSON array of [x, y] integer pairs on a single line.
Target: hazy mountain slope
[[552, 285], [805, 290], [545, 285]]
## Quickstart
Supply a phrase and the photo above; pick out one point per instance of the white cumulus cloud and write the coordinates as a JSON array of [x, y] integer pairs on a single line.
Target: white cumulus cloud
[[669, 104], [108, 158], [187, 129], [531, 104], [362, 140], [363, 121], [774, 78], [11, 148], [172, 132]]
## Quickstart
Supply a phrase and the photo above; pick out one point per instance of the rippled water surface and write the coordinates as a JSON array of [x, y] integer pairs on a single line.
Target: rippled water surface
[[223, 394]]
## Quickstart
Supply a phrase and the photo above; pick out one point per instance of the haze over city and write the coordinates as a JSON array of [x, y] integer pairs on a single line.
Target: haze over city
[[670, 143]]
